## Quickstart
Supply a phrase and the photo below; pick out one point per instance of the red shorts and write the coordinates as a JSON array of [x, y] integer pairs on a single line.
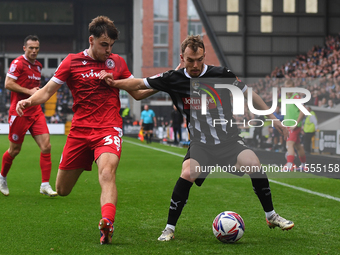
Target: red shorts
[[18, 127], [84, 145], [294, 135]]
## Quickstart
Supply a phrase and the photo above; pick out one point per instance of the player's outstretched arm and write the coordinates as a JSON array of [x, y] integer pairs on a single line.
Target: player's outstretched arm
[[130, 84], [142, 94], [39, 97]]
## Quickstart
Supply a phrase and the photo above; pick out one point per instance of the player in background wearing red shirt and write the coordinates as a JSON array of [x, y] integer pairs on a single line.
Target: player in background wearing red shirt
[[293, 141], [96, 125], [23, 80]]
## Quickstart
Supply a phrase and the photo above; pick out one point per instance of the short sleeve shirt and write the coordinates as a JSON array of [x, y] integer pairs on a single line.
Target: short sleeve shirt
[[27, 75], [177, 84], [147, 116], [95, 104]]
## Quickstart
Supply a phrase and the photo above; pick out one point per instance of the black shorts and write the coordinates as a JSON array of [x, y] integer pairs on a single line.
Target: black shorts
[[210, 155], [148, 126]]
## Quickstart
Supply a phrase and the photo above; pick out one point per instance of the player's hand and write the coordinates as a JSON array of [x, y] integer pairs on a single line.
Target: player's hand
[[21, 105], [108, 77]]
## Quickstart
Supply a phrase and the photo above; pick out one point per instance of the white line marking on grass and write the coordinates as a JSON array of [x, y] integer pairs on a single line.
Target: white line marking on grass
[[156, 149], [306, 190], [280, 183]]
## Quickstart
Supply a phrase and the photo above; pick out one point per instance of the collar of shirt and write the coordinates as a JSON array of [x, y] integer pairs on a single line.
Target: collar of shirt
[[203, 72]]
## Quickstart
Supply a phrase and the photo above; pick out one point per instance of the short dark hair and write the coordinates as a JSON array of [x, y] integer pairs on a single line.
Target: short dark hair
[[193, 42], [103, 25], [32, 38]]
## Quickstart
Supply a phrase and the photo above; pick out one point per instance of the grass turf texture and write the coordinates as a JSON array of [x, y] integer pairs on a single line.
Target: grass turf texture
[[31, 223]]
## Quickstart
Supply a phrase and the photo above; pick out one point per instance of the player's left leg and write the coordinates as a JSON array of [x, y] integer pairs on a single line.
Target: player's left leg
[[107, 166], [17, 130], [44, 144], [261, 188], [302, 156], [66, 179], [7, 160], [40, 133]]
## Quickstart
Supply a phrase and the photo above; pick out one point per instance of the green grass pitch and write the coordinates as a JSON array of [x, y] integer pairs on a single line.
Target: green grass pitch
[[31, 223]]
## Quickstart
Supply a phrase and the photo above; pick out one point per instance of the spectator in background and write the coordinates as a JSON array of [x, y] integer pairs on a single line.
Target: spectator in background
[[2, 118], [330, 104], [258, 138], [323, 103], [176, 123], [55, 118], [277, 137], [148, 121], [309, 128], [294, 116]]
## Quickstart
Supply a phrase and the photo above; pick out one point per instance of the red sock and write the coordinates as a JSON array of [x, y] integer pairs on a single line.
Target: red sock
[[109, 211], [303, 159], [46, 166], [6, 163], [290, 159]]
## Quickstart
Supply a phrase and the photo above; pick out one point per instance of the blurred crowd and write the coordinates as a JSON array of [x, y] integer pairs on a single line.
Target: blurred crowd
[[318, 71]]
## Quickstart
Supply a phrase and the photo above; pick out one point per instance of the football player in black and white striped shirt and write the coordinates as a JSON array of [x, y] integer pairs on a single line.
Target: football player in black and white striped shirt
[[210, 144]]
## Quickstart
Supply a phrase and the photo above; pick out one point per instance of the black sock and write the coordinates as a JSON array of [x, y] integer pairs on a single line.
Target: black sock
[[262, 190], [179, 198]]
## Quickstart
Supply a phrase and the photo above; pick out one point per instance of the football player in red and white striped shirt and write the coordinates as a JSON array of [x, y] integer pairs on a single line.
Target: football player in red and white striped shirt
[[23, 80], [96, 132]]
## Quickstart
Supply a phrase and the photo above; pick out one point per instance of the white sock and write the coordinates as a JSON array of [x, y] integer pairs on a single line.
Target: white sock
[[45, 183], [269, 214], [3, 177], [172, 227]]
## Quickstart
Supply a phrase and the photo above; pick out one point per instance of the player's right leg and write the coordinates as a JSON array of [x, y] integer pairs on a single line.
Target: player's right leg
[[289, 166], [302, 156], [179, 198], [7, 160]]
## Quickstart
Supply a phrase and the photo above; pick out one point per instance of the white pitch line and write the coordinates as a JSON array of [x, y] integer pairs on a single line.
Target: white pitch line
[[280, 183], [156, 149], [306, 190]]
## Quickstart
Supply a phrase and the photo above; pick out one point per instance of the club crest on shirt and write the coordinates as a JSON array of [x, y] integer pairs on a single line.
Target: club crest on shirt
[[39, 69], [12, 68], [110, 63], [195, 85]]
